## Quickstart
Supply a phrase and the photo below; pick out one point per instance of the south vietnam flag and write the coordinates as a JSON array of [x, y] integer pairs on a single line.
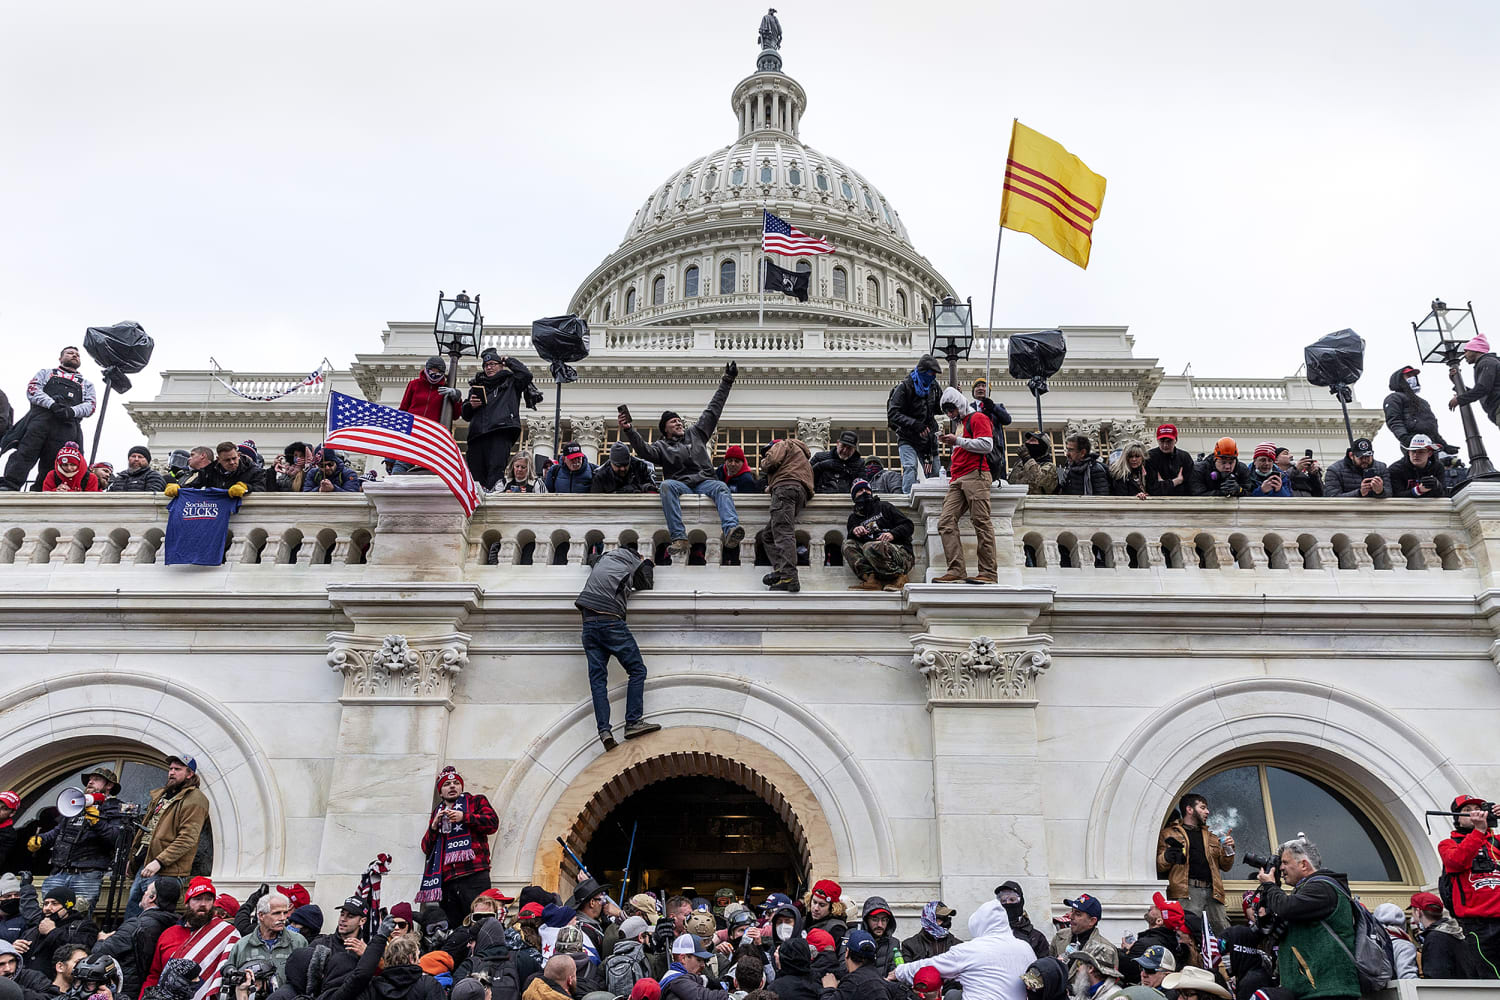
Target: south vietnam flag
[[1050, 194]]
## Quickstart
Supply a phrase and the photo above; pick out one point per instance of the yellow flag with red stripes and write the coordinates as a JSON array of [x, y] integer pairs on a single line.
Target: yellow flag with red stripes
[[1050, 194]]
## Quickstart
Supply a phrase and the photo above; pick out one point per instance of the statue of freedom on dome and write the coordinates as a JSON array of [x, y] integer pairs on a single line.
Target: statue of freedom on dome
[[770, 31]]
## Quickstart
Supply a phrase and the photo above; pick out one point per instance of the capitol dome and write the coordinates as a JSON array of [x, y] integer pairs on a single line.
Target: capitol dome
[[692, 252]]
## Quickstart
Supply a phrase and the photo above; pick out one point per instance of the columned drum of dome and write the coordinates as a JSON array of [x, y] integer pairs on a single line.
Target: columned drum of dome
[[706, 219]]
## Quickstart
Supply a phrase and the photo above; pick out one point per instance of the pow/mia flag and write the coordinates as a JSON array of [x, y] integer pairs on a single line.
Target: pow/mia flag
[[794, 283]]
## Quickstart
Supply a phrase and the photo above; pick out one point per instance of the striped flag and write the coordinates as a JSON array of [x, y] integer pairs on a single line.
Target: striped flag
[[781, 237], [209, 946], [371, 429], [1051, 195], [1211, 950]]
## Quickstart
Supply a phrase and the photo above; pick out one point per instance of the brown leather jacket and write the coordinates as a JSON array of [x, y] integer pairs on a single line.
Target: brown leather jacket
[[788, 460], [174, 841], [1177, 875]]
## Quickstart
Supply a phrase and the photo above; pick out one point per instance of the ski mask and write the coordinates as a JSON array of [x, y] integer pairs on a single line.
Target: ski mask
[[864, 499], [1037, 449], [1411, 380], [10, 907]]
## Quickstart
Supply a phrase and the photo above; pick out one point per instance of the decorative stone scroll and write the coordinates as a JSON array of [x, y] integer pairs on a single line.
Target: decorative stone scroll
[[588, 431], [986, 671], [398, 671], [813, 432]]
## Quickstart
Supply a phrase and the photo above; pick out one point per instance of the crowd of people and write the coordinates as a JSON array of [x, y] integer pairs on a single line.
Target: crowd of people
[[1300, 934]]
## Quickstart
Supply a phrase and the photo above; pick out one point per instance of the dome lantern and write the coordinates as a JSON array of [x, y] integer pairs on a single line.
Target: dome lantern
[[769, 100]]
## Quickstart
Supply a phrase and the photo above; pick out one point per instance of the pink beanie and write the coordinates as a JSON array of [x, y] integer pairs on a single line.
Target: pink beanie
[[1479, 343]]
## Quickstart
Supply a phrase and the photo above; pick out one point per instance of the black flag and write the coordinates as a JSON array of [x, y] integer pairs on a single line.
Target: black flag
[[779, 279]]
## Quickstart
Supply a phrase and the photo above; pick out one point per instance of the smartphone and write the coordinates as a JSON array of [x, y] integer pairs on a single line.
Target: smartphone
[[624, 411], [1307, 453]]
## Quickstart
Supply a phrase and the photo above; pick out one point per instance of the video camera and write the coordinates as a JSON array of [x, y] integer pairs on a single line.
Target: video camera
[[263, 974], [90, 974]]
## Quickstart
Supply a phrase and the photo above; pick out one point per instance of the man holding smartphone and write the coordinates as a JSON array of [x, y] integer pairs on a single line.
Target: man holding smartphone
[[1417, 473]]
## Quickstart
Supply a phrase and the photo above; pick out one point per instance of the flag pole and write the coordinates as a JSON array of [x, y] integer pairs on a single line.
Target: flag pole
[[761, 266], [989, 343]]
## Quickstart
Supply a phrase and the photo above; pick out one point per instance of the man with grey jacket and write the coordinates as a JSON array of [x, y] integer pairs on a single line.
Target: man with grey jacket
[[602, 603]]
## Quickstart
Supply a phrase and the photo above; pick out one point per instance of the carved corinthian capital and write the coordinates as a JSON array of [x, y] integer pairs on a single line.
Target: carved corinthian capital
[[985, 671], [396, 670], [813, 432]]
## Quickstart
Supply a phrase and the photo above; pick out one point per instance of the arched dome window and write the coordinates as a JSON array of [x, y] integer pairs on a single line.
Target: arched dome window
[[726, 278], [658, 290], [630, 302], [690, 283], [1264, 802], [804, 266], [712, 180], [661, 200], [846, 190], [869, 202], [840, 283], [901, 303], [872, 292], [767, 174], [794, 177], [924, 314], [687, 188], [821, 181], [737, 176]]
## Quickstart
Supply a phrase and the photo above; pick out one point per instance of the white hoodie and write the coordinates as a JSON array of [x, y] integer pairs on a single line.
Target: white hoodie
[[989, 966], [980, 446]]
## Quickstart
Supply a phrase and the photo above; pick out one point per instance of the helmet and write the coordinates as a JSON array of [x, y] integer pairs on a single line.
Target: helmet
[[740, 918], [103, 970], [1226, 448]]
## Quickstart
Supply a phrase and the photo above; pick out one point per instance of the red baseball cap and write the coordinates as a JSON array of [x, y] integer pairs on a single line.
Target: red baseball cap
[[497, 896], [927, 980], [828, 889], [10, 800], [819, 940], [644, 989], [1426, 901], [228, 904], [1464, 801], [1166, 431], [531, 911], [198, 887]]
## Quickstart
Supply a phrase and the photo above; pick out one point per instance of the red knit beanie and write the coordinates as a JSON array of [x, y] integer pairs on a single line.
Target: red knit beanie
[[448, 772]]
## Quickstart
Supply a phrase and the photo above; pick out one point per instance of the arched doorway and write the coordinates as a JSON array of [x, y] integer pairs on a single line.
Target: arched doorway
[[692, 819]]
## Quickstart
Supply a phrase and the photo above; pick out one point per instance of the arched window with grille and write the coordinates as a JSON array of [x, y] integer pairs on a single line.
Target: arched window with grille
[[630, 302], [901, 302], [872, 292], [690, 283], [658, 290], [840, 283], [726, 278]]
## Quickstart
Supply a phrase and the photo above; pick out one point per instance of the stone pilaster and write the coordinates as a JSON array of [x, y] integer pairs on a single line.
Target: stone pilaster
[[539, 428], [589, 432]]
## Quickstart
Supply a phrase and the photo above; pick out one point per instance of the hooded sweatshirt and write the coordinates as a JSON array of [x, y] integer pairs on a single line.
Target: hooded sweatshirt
[[81, 481], [345, 479], [887, 945], [1021, 925], [990, 966], [794, 980], [1389, 916], [975, 433]]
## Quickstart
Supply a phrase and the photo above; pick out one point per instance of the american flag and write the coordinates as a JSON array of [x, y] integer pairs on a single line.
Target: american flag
[[209, 947], [1210, 944], [371, 429], [780, 237]]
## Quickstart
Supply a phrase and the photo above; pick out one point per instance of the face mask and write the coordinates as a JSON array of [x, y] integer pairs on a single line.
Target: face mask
[[1014, 910], [1036, 450], [864, 501], [1411, 380], [10, 907], [432, 376], [783, 932]]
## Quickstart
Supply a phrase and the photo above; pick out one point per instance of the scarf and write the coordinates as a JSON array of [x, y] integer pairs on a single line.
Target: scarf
[[76, 480], [930, 923], [369, 890], [924, 381], [452, 845], [432, 377]]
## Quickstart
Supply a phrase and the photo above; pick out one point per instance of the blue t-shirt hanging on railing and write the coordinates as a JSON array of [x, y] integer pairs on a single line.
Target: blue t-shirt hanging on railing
[[197, 526]]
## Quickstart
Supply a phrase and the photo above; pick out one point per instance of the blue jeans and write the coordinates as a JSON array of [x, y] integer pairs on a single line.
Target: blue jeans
[[605, 637], [137, 891], [910, 463], [85, 885], [671, 504]]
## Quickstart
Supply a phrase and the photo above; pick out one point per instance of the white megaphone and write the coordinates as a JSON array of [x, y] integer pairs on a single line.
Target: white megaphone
[[72, 801]]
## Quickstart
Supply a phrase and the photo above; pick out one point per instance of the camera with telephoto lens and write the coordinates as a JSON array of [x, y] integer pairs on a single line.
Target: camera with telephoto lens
[[262, 972], [1262, 862], [89, 974]]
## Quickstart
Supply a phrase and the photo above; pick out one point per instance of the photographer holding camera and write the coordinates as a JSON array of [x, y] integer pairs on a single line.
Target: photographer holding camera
[[1471, 877], [1316, 954], [1191, 859]]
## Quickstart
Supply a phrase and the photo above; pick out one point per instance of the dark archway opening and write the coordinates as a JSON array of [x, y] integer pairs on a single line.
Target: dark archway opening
[[696, 831]]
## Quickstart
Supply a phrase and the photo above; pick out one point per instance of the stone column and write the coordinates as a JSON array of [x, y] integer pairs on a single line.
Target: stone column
[[539, 432], [813, 432], [588, 431]]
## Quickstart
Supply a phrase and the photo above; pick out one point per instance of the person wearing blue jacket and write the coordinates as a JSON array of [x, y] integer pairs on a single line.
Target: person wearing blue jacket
[[332, 475], [574, 474], [1266, 478]]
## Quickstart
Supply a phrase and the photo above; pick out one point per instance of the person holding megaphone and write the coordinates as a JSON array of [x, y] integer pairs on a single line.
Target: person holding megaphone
[[83, 841]]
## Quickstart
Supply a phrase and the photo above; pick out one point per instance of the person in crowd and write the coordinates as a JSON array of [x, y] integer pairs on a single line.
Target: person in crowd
[[936, 936], [793, 959], [627, 963], [911, 411], [521, 477], [573, 474], [1222, 474], [1471, 856], [556, 981], [57, 924], [1407, 413], [836, 469], [1250, 968], [684, 979], [1485, 391], [17, 982], [624, 473], [229, 472], [881, 479], [1154, 964], [968, 491], [877, 543], [166, 841], [457, 846], [999, 417], [1192, 858], [1443, 950], [63, 961], [613, 576], [825, 910], [429, 395], [1083, 913], [138, 476], [308, 920], [1266, 478], [439, 965], [1393, 919], [249, 453], [226, 907], [989, 966], [60, 399], [1036, 468], [1084, 475], [133, 944], [291, 467], [590, 898], [331, 475], [1103, 980], [1305, 474], [401, 977], [1127, 473], [493, 410], [863, 978], [12, 923], [683, 455], [1014, 900], [1193, 983], [1321, 963], [104, 473], [1165, 924], [789, 480], [200, 934], [1358, 474], [1169, 469], [1417, 473], [749, 975], [271, 940], [347, 933], [70, 473], [82, 847], [735, 473]]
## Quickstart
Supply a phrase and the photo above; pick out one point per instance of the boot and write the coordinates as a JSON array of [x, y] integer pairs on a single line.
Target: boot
[[952, 576], [983, 578], [608, 739], [770, 578], [896, 585], [677, 551], [640, 728], [733, 537], [788, 584], [867, 583]]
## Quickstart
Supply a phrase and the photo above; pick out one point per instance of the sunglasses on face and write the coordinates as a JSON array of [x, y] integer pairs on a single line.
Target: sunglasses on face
[[402, 924]]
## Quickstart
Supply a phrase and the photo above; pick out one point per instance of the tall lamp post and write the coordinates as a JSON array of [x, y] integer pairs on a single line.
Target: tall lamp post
[[953, 332], [457, 330], [1440, 339]]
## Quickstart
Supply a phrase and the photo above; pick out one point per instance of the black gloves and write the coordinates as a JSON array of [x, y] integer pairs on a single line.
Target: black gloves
[[60, 408], [1174, 854], [663, 934], [731, 371], [386, 926], [1230, 487]]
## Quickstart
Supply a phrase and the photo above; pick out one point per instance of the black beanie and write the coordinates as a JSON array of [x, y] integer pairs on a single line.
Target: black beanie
[[168, 892], [436, 363], [661, 425], [141, 450]]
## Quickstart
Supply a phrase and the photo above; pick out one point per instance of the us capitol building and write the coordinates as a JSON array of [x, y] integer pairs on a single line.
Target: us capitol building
[[1326, 666]]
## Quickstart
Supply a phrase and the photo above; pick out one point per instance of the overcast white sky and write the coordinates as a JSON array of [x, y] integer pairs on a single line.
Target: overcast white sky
[[270, 183]]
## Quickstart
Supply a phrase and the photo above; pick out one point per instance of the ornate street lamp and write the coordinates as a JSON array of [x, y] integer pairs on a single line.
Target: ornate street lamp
[[456, 330], [1440, 340], [952, 331]]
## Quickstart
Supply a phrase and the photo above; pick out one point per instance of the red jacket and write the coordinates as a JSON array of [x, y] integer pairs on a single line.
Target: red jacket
[[481, 822], [1475, 894], [963, 462], [425, 399]]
